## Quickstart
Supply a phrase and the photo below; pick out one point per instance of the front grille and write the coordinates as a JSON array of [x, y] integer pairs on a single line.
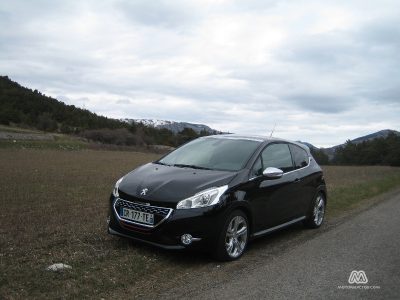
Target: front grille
[[160, 213], [144, 208]]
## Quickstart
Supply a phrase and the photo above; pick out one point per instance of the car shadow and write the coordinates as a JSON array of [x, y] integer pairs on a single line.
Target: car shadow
[[188, 257], [270, 244]]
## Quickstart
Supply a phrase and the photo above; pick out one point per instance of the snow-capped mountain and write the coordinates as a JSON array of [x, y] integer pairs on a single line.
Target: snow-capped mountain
[[173, 126]]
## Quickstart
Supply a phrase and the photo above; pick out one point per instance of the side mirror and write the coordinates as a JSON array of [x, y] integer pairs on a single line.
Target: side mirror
[[273, 173]]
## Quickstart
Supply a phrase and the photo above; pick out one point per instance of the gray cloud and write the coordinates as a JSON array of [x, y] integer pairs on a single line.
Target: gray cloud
[[159, 13], [320, 103]]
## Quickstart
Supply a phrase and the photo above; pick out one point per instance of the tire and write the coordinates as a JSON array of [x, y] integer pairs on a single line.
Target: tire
[[234, 236], [316, 215]]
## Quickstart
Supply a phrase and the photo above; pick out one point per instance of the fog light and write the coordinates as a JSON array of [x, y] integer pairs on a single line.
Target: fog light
[[186, 239]]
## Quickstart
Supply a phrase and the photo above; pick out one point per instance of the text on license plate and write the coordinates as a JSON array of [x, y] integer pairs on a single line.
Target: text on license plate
[[137, 216]]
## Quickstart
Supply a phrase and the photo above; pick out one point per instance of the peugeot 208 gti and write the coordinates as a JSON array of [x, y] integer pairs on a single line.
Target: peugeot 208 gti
[[218, 192]]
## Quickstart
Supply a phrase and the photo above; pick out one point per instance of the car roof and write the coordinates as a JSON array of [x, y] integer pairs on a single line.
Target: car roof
[[258, 138]]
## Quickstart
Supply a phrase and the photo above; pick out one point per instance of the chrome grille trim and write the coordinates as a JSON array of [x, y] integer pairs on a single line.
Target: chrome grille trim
[[161, 211]]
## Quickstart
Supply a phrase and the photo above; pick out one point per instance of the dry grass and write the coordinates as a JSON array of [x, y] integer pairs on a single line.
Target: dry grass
[[53, 209], [349, 186], [339, 176]]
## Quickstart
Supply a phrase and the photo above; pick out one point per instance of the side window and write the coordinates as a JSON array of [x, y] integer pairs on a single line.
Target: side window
[[257, 168], [300, 157], [277, 156]]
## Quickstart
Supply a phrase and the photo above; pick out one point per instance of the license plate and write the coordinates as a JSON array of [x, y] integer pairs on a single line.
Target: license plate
[[137, 216]]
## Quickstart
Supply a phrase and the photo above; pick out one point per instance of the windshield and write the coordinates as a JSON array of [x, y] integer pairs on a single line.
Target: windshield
[[212, 153]]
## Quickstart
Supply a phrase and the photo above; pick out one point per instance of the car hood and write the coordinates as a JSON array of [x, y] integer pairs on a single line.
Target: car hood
[[171, 184]]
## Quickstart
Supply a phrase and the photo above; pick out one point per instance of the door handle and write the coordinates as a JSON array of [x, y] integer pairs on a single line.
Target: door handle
[[297, 180]]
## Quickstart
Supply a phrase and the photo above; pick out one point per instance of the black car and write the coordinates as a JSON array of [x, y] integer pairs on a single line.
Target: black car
[[218, 192]]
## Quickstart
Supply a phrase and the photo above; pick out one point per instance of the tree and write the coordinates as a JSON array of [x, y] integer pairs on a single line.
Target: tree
[[379, 151], [320, 156], [46, 123]]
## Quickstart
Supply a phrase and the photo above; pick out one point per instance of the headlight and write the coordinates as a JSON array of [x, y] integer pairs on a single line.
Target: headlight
[[115, 190], [202, 199]]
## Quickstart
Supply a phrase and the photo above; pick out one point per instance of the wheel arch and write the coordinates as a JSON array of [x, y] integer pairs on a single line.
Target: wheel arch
[[319, 190], [322, 190]]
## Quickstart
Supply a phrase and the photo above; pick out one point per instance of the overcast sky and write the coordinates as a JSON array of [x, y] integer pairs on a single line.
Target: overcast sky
[[323, 71]]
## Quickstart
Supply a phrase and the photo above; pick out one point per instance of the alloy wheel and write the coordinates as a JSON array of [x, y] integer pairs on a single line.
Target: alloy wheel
[[319, 210], [236, 236]]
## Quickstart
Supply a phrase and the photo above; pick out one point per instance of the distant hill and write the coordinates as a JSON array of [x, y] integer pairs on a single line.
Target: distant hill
[[378, 148], [24, 107], [379, 134], [21, 105], [175, 127]]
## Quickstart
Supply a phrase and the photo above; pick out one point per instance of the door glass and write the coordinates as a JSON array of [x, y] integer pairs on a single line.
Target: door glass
[[300, 157], [277, 156]]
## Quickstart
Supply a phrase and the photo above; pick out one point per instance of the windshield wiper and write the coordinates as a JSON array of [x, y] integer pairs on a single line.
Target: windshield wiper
[[160, 163], [190, 166]]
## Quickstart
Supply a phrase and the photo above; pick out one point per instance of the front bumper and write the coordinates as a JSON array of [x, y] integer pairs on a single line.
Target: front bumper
[[176, 247], [203, 224]]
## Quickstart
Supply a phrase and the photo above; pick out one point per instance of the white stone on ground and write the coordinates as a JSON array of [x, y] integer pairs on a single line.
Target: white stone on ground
[[58, 267]]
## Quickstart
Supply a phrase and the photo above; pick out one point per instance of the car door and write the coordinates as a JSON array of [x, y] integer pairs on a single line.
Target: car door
[[273, 200]]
